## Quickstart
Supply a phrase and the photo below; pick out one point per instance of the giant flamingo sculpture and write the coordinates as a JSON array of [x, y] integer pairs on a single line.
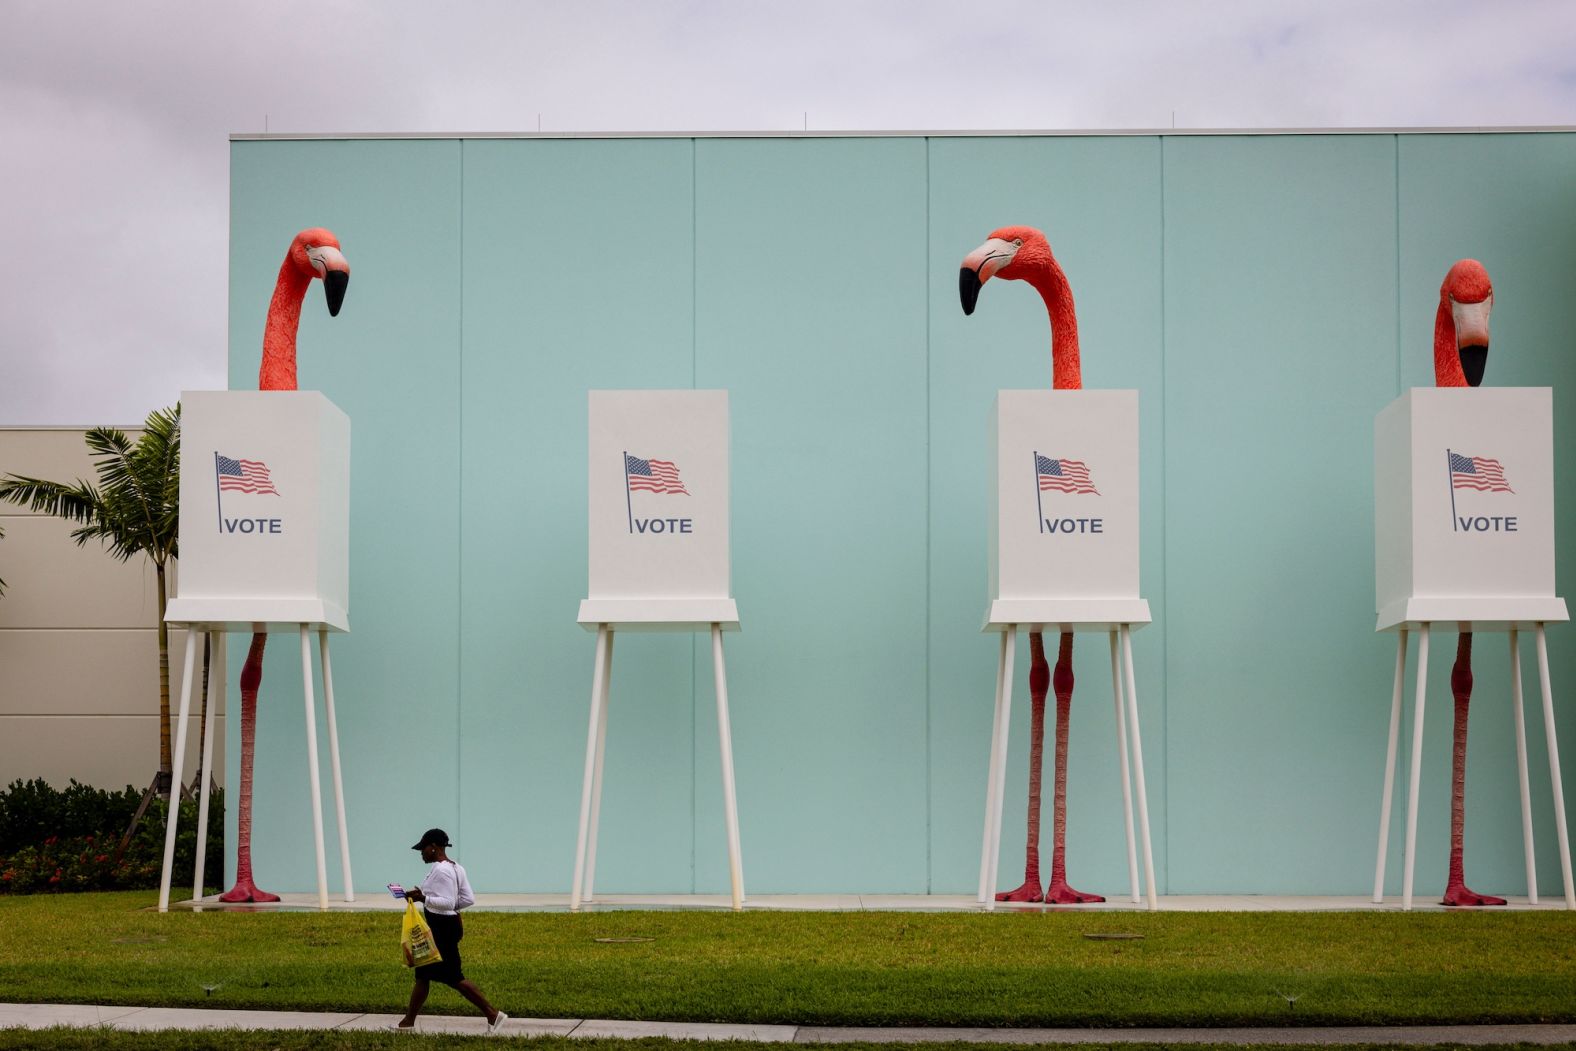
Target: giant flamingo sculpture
[[1460, 354], [1021, 253], [313, 254]]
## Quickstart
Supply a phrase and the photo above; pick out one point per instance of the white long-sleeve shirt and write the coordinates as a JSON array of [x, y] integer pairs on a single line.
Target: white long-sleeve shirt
[[446, 889]]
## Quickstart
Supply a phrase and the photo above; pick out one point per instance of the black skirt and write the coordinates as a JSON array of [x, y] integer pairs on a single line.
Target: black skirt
[[446, 934]]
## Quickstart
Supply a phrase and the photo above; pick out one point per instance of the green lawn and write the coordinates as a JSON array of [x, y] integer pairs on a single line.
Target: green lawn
[[274, 1040], [1008, 969]]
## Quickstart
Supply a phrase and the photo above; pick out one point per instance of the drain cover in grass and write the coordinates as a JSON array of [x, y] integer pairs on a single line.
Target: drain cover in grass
[[621, 941], [1113, 936]]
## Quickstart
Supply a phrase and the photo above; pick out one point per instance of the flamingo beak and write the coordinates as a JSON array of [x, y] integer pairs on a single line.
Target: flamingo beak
[[334, 284], [979, 266], [331, 266], [1471, 321], [968, 289]]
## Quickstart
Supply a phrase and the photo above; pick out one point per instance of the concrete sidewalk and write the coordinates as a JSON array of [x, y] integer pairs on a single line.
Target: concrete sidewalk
[[45, 1016]]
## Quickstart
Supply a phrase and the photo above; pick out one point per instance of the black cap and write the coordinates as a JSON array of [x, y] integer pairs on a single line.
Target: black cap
[[435, 837]]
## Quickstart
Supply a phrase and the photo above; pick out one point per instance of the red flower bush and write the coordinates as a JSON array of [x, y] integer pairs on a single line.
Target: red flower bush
[[70, 856]]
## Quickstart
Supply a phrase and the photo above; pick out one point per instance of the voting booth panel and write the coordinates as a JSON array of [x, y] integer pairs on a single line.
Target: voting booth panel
[[659, 512], [1063, 557], [265, 546], [1064, 508], [1464, 507], [1464, 537], [658, 550], [265, 510]]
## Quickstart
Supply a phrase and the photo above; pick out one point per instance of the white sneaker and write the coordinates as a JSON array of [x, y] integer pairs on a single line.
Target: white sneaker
[[496, 1025]]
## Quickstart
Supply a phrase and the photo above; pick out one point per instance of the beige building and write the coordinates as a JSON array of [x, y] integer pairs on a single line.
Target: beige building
[[79, 655]]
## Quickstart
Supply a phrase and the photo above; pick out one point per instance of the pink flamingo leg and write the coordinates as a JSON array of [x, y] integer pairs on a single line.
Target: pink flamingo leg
[[251, 677], [1456, 892], [1039, 685], [1059, 893]]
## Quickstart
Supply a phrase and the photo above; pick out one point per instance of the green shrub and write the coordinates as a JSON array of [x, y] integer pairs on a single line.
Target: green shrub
[[54, 840], [32, 811]]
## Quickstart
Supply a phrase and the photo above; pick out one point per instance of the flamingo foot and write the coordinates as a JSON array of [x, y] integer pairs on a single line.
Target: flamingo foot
[[1059, 893], [1029, 892], [1458, 894], [246, 891]]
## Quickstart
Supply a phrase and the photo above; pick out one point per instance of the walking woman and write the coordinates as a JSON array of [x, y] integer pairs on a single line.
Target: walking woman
[[443, 893]]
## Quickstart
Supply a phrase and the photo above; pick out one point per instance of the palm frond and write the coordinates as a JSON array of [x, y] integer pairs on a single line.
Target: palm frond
[[120, 473], [157, 462], [162, 443], [77, 503], [111, 451]]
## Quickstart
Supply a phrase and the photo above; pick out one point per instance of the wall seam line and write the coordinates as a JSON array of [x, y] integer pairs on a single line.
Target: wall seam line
[[1165, 535], [694, 383], [459, 531], [1407, 713], [929, 510], [1397, 298]]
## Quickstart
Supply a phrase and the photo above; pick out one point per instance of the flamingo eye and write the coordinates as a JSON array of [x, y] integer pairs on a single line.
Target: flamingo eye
[[1017, 242]]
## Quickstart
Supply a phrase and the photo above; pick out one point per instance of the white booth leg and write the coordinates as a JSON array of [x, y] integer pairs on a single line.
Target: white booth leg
[[1554, 769], [1521, 766], [216, 674], [725, 741], [1001, 760], [1138, 762], [314, 779], [1121, 751], [986, 837], [1417, 767], [596, 774], [333, 760], [999, 784], [598, 669], [1389, 763], [172, 816]]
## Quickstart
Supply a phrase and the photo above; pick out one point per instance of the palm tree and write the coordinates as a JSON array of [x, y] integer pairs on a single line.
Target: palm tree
[[134, 509]]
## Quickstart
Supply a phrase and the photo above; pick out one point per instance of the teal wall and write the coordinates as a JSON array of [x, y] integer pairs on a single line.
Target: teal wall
[[1266, 295]]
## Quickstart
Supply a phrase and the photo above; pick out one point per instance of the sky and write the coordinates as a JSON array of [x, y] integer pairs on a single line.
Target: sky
[[115, 117]]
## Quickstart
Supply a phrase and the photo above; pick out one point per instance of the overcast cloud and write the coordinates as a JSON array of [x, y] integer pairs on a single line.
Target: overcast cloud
[[114, 117]]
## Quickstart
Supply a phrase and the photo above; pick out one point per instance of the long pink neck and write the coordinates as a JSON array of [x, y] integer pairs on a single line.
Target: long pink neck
[[1447, 360], [1067, 371], [278, 371]]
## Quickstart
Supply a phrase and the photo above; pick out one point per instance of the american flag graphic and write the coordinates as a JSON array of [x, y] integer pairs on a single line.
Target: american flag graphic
[[1478, 472], [1068, 476], [244, 476], [653, 476]]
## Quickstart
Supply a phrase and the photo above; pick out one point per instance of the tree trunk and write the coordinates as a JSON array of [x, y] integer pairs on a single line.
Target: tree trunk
[[202, 718], [166, 767]]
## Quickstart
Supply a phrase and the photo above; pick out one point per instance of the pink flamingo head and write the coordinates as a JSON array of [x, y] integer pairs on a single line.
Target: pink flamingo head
[[1021, 253], [1015, 253], [315, 253], [1461, 325]]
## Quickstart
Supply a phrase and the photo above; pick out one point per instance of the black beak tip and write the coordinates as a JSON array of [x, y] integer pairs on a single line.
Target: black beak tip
[[1474, 362], [334, 284], [968, 289]]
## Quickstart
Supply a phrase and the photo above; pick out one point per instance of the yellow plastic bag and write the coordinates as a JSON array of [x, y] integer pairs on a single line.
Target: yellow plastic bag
[[415, 939]]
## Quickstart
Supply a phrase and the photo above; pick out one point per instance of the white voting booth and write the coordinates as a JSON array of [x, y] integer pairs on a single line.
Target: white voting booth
[[658, 562], [265, 546], [1064, 557], [1464, 538]]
